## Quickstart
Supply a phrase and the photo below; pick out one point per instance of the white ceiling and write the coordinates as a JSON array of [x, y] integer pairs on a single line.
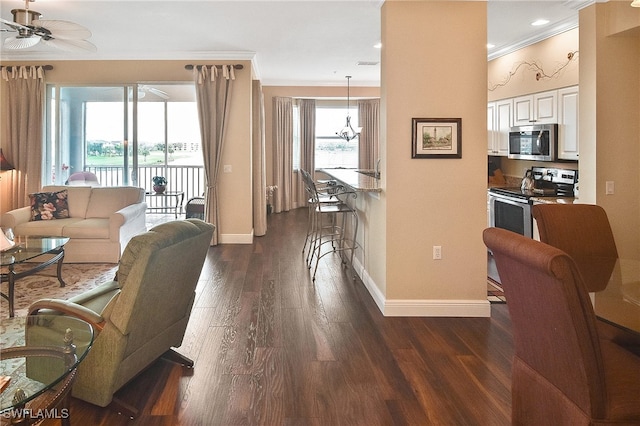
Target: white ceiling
[[294, 42]]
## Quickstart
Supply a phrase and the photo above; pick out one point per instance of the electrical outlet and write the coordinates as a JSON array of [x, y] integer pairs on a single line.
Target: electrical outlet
[[437, 252]]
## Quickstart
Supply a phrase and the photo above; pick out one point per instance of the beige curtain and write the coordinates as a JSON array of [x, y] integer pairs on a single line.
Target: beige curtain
[[307, 144], [282, 152], [214, 85], [369, 120], [259, 169], [23, 91]]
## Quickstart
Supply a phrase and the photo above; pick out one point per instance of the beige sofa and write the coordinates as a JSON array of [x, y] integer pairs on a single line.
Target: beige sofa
[[101, 221]]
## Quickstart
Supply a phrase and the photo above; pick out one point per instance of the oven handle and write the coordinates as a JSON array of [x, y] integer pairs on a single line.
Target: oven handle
[[508, 199]]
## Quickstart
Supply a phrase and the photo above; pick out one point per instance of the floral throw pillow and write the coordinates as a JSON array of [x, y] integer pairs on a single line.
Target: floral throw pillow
[[49, 205]]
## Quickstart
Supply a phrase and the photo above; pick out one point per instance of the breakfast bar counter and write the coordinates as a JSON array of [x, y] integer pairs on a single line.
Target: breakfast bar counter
[[358, 179]]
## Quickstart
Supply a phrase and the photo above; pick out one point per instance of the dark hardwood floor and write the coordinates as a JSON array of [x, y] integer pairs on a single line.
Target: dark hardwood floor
[[271, 347]]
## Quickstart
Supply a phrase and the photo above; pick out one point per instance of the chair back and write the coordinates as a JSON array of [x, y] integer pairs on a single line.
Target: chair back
[[83, 179], [554, 325], [584, 233], [158, 274], [577, 229]]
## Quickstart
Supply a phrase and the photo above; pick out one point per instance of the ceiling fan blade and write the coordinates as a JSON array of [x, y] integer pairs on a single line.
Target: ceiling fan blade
[[16, 43], [13, 25], [158, 92], [64, 30], [71, 45]]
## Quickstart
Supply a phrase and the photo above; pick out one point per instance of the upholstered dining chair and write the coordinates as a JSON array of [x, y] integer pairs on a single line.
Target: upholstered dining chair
[[562, 372], [583, 232], [141, 315], [580, 230]]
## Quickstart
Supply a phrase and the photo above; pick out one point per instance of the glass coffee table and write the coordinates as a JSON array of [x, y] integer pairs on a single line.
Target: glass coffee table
[[38, 359], [26, 251]]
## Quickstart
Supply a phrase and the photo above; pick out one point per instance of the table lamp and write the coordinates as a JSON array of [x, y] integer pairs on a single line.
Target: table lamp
[[4, 163]]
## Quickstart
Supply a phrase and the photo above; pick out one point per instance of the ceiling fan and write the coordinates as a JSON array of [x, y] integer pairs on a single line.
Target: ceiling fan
[[143, 89], [63, 35]]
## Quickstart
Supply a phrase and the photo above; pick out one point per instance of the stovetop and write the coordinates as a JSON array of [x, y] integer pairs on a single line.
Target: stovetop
[[548, 182], [514, 191]]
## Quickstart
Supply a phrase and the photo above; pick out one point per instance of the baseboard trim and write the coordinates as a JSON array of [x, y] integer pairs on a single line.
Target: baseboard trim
[[437, 308], [236, 238], [421, 307]]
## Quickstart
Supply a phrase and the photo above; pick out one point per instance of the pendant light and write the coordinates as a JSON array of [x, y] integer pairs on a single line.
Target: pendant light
[[348, 132]]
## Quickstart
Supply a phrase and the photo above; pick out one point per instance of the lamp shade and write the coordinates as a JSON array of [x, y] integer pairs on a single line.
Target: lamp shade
[[4, 163]]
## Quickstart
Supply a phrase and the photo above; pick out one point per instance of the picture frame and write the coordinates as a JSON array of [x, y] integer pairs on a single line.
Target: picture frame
[[436, 138]]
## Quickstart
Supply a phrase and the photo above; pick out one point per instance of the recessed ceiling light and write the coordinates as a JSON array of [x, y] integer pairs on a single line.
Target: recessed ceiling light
[[539, 22], [490, 46], [378, 45]]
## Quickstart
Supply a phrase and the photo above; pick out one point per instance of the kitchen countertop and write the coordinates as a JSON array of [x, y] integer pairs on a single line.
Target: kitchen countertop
[[358, 181], [554, 200]]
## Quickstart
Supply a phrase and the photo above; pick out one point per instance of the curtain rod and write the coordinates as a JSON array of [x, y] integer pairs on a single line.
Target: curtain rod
[[190, 67], [46, 67]]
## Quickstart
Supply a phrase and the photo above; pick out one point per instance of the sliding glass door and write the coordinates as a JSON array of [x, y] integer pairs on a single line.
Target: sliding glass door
[[125, 134]]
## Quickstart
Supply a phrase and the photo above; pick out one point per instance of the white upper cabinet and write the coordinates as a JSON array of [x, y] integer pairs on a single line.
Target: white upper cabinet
[[568, 137], [539, 108], [499, 122], [555, 106]]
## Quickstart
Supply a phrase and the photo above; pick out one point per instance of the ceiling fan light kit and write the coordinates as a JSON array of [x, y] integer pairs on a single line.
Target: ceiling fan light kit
[[63, 35], [635, 3]]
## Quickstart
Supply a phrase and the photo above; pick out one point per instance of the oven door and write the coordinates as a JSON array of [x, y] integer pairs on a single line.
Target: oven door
[[511, 213]]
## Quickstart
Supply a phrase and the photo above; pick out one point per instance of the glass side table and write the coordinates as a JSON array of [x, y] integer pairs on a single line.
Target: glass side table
[[38, 359], [26, 250]]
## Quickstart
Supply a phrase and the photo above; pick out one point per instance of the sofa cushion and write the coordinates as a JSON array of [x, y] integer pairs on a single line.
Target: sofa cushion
[[78, 198], [107, 200], [50, 228], [88, 228], [49, 205]]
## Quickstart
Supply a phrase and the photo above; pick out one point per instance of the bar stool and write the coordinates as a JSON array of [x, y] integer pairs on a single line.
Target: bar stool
[[330, 223], [326, 190]]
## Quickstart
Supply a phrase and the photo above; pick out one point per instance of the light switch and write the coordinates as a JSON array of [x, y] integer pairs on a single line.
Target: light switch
[[227, 168], [609, 187]]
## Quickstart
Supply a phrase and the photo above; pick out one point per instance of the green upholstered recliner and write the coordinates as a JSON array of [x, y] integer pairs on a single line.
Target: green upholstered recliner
[[143, 314]]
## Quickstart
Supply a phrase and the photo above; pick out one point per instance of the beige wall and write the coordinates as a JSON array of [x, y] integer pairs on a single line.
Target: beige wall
[[434, 201], [236, 221], [609, 111], [507, 77]]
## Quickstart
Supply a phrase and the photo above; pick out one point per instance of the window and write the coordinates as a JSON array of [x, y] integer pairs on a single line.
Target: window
[[331, 151]]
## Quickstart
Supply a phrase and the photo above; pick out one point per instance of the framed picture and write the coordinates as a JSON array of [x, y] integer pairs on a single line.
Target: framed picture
[[436, 138]]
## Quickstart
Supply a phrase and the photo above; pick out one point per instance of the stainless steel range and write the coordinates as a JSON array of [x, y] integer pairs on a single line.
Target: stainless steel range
[[510, 207]]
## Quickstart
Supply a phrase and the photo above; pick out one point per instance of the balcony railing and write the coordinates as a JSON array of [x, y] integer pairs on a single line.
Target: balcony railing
[[187, 179]]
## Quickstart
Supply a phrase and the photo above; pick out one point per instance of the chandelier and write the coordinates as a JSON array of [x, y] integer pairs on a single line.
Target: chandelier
[[348, 132]]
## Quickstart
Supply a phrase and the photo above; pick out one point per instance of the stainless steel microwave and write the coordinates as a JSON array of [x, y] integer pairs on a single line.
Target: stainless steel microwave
[[537, 142]]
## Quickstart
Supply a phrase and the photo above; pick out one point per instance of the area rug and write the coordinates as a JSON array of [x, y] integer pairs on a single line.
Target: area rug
[[79, 277], [495, 294]]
